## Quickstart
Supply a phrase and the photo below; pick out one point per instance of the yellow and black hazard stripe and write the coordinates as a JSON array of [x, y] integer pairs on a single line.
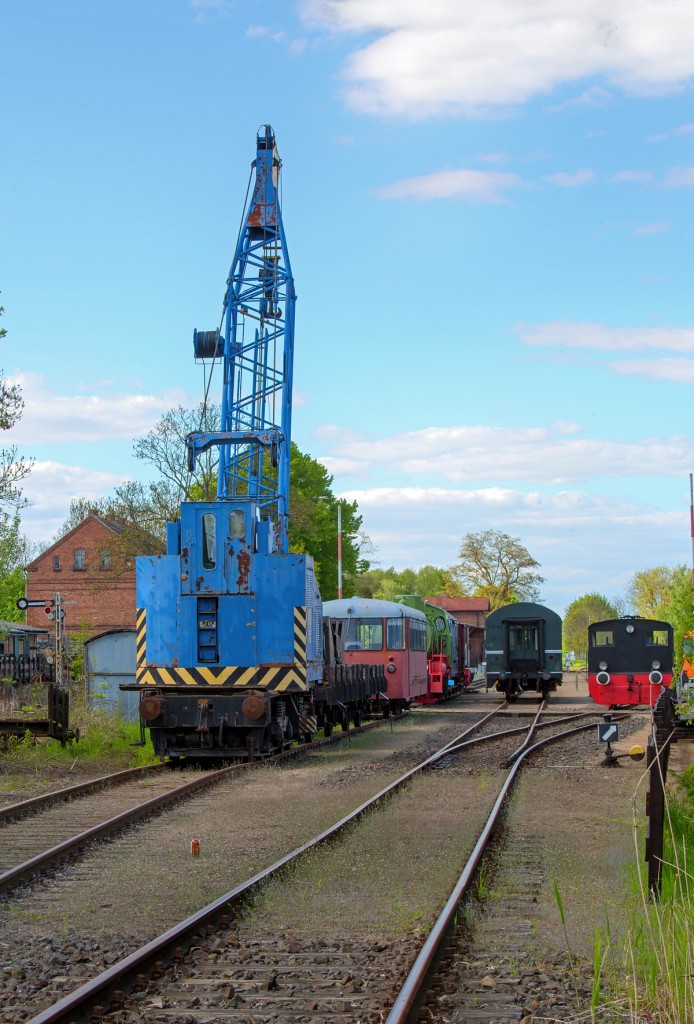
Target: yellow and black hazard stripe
[[140, 638], [282, 678], [308, 724]]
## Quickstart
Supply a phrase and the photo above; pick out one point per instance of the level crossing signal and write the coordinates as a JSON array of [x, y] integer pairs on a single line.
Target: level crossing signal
[[23, 604]]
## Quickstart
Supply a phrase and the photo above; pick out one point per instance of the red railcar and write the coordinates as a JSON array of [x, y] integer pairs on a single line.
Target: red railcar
[[389, 634], [629, 660]]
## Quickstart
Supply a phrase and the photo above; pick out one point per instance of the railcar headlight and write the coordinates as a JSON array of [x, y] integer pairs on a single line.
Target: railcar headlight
[[603, 678], [655, 664], [390, 668], [603, 666], [630, 628], [655, 678]]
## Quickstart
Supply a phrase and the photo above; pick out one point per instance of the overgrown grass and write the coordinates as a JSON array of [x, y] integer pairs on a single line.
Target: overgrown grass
[[103, 735], [660, 938]]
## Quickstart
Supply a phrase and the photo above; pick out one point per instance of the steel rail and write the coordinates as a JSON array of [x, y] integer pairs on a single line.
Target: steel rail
[[35, 803], [28, 869], [419, 972], [168, 947]]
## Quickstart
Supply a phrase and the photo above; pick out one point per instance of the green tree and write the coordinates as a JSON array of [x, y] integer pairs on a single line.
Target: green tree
[[578, 616], [650, 591], [13, 552], [12, 468], [681, 609], [496, 566]]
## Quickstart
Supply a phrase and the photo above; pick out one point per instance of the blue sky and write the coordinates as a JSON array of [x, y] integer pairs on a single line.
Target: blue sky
[[489, 216]]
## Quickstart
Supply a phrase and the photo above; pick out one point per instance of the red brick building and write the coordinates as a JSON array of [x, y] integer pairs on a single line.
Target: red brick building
[[472, 611], [93, 573]]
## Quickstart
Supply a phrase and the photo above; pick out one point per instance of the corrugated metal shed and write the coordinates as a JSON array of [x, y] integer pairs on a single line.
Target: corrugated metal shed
[[109, 661]]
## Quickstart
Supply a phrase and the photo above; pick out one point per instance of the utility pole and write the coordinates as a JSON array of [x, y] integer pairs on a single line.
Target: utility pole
[[339, 550]]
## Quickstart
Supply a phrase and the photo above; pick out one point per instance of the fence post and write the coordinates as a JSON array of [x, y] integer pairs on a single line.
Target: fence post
[[658, 755]]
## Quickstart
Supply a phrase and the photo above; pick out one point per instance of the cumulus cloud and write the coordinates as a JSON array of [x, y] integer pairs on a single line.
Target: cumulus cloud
[[451, 56], [49, 489], [470, 185], [652, 229], [566, 180], [677, 371], [600, 337], [99, 415], [680, 177], [583, 542], [558, 455], [641, 177]]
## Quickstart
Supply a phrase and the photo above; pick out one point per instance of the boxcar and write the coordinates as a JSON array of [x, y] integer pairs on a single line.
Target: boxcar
[[389, 634], [629, 660], [523, 649]]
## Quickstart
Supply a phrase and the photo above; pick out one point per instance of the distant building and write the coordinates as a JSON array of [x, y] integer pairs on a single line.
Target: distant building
[[473, 612], [94, 573]]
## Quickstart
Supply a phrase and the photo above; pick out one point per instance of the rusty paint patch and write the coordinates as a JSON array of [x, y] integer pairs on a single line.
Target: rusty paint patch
[[244, 560]]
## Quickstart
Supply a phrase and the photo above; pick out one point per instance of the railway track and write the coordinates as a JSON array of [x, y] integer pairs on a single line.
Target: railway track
[[221, 964], [73, 818]]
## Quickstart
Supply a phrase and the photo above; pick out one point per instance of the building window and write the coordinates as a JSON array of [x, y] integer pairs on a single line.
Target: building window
[[56, 563], [129, 564], [105, 561], [79, 563]]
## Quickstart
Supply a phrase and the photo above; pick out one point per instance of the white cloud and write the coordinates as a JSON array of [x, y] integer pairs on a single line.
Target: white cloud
[[678, 371], [542, 456], [565, 180], [473, 186], [652, 229], [641, 177], [451, 56], [680, 177], [595, 96], [100, 415], [600, 337], [51, 486], [614, 537], [685, 129]]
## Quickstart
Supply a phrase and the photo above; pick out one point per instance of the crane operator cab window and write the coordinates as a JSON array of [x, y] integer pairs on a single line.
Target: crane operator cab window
[[209, 540], [237, 524]]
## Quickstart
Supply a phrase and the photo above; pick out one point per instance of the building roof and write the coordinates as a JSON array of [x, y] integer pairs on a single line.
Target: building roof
[[18, 628], [461, 604], [111, 524]]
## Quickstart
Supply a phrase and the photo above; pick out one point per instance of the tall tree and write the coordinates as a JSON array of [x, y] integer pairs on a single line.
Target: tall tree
[[681, 609], [579, 615], [650, 591], [164, 448], [12, 468], [497, 566], [13, 557]]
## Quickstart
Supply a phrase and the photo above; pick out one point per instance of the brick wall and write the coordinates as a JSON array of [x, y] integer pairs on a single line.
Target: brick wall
[[94, 598]]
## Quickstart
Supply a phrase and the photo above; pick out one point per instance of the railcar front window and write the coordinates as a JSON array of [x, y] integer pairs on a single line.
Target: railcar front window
[[602, 638], [395, 636], [657, 638], [364, 635], [209, 540]]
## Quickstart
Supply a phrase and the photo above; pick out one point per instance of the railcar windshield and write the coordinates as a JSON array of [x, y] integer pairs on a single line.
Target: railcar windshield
[[657, 638], [364, 635], [602, 638]]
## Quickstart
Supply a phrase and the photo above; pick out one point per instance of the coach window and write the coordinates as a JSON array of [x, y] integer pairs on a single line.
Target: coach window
[[395, 637], [79, 563], [603, 638], [657, 638], [56, 563], [418, 635], [209, 540]]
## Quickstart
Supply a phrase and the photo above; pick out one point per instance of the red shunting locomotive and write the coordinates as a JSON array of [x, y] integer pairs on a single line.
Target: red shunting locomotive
[[629, 660]]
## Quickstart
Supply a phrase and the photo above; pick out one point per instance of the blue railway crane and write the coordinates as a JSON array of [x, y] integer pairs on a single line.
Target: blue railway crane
[[229, 635]]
